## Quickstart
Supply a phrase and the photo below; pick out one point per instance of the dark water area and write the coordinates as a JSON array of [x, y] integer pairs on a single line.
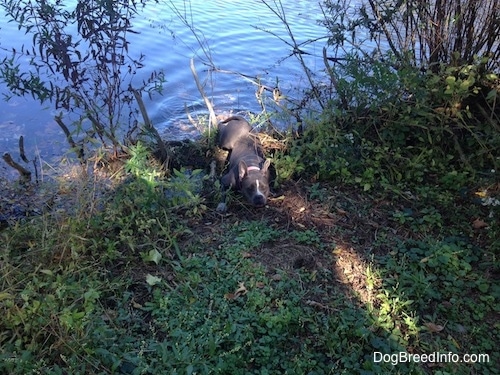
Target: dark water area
[[236, 40]]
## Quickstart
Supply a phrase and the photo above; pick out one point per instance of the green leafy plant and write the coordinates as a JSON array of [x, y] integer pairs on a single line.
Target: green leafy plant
[[183, 189], [83, 56]]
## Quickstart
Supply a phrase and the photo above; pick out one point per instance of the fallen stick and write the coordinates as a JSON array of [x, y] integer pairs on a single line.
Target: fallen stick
[[23, 171], [213, 118]]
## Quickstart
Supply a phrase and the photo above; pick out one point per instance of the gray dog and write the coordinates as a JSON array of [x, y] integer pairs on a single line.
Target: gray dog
[[248, 171]]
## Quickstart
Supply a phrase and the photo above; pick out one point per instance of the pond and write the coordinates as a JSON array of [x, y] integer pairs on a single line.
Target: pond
[[242, 36]]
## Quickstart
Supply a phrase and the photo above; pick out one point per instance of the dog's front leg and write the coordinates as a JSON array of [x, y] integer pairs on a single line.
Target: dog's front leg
[[222, 206], [226, 183]]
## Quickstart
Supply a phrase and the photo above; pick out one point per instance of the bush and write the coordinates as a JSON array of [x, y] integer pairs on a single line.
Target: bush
[[403, 125]]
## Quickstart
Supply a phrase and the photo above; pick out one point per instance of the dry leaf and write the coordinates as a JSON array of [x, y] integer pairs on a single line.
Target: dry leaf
[[341, 211], [481, 193], [447, 304], [479, 224], [455, 342], [276, 277], [246, 255], [433, 327], [260, 284], [337, 251], [241, 291]]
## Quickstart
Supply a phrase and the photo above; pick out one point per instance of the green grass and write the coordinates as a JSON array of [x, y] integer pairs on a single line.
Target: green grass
[[141, 287]]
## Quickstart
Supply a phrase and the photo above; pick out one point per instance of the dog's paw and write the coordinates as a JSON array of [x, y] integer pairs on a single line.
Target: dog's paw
[[222, 207], [211, 176]]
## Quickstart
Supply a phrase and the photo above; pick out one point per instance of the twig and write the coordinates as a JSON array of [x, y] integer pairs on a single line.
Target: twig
[[21, 149], [335, 84], [36, 169], [387, 33], [280, 13]]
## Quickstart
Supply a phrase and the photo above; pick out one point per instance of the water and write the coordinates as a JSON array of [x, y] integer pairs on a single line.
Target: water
[[235, 40]]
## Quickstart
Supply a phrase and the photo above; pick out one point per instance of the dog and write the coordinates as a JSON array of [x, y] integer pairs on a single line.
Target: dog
[[248, 170]]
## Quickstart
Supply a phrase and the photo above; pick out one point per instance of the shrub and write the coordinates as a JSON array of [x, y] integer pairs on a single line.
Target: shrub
[[403, 125]]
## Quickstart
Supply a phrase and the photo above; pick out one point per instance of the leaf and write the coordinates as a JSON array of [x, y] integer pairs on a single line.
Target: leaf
[[483, 287], [434, 327], [230, 296], [479, 224], [491, 95], [481, 193], [7, 296], [276, 277], [450, 80], [241, 291], [152, 280], [152, 256]]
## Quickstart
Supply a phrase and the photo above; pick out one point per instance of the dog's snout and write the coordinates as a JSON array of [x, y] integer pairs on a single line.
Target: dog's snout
[[259, 200]]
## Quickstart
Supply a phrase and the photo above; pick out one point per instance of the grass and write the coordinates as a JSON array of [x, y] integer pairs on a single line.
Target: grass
[[319, 282]]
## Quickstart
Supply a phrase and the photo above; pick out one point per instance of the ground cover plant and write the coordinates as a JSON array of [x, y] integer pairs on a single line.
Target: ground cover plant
[[382, 238], [315, 283]]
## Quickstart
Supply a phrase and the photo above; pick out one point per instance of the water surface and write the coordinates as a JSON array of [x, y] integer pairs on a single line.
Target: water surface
[[240, 36]]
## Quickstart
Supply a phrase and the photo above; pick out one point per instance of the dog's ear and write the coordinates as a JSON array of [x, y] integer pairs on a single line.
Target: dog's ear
[[266, 165], [242, 169]]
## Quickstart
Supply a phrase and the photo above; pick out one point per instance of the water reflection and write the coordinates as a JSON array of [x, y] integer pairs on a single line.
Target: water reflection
[[235, 37]]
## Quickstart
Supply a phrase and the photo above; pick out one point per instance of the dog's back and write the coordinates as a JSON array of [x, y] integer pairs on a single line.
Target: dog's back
[[231, 130]]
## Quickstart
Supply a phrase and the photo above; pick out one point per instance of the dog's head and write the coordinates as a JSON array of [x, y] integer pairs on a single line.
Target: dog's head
[[254, 183]]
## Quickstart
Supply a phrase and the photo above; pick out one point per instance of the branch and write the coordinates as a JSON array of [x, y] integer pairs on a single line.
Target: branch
[[280, 13], [213, 118], [23, 171], [69, 138], [334, 81], [164, 155]]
